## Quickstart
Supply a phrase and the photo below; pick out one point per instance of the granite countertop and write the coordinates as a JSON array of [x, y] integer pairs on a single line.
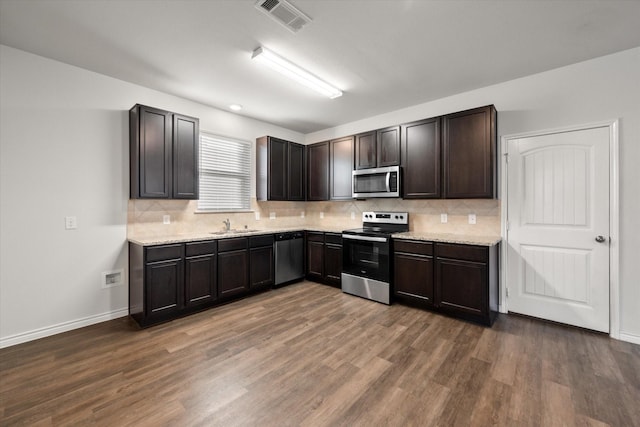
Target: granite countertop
[[449, 238], [194, 237]]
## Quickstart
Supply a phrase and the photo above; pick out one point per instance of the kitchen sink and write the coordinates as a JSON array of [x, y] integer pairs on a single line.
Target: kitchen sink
[[231, 232]]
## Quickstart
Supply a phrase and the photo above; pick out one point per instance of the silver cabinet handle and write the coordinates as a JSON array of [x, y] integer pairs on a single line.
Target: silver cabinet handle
[[600, 239]]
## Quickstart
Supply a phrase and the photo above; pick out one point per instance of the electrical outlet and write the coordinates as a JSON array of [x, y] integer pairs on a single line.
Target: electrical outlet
[[353, 215], [443, 218], [472, 218], [302, 214], [70, 222], [257, 215], [272, 215], [321, 215], [166, 219]]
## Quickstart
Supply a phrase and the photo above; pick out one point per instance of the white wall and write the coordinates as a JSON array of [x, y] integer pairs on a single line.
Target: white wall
[[592, 91], [64, 151]]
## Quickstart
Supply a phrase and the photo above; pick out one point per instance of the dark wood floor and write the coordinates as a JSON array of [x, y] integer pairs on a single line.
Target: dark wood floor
[[309, 355]]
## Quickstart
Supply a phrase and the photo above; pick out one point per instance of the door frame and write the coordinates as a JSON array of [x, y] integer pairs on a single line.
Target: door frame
[[614, 215]]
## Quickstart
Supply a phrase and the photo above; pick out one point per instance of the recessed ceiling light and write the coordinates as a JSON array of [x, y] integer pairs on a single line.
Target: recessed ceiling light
[[235, 107], [294, 72]]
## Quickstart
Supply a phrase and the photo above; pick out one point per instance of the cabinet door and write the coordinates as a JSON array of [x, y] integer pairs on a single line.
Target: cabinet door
[[365, 150], [469, 149], [341, 167], [261, 267], [421, 159], [153, 152], [186, 137], [200, 280], [462, 286], [164, 285], [233, 273], [388, 142], [296, 178], [277, 177], [315, 259], [333, 263], [318, 171], [413, 276]]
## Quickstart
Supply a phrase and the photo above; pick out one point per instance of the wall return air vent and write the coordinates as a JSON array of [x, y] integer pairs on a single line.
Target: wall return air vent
[[284, 14]]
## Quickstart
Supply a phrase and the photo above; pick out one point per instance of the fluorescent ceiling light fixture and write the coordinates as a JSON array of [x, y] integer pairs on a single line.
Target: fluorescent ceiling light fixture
[[294, 72], [235, 107]]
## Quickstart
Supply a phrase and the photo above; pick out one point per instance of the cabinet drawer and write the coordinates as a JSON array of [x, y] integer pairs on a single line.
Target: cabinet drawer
[[160, 253], [257, 241], [315, 237], [465, 252], [235, 244], [200, 248], [413, 247], [334, 238]]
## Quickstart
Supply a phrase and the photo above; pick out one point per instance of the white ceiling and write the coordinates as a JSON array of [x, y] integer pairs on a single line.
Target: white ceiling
[[384, 54]]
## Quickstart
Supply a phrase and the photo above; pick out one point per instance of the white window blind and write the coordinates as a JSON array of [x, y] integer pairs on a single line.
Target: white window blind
[[225, 174]]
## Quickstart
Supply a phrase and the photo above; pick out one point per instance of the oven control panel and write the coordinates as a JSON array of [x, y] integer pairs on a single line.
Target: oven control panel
[[386, 217]]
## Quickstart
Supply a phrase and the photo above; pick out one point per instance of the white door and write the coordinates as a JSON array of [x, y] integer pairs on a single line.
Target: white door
[[558, 227]]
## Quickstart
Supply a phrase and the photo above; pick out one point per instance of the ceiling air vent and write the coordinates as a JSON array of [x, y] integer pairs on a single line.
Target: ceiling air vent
[[284, 13]]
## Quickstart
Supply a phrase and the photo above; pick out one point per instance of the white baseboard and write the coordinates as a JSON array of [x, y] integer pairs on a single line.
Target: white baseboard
[[61, 327], [634, 339]]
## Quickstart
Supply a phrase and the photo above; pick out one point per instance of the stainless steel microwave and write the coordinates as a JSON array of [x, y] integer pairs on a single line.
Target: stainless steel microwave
[[378, 182]]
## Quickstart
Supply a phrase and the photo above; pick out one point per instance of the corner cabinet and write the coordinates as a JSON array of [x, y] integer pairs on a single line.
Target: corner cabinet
[[469, 149], [163, 154], [279, 169]]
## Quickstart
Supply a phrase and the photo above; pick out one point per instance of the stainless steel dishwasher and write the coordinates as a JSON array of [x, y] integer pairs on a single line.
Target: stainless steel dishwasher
[[289, 257]]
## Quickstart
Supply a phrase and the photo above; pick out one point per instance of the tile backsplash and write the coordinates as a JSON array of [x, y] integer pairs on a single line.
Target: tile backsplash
[[145, 217]]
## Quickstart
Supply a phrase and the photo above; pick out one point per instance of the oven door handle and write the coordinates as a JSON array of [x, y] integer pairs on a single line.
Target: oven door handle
[[365, 238]]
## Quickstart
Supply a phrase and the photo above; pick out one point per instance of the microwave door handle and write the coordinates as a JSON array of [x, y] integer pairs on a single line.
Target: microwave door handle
[[388, 182]]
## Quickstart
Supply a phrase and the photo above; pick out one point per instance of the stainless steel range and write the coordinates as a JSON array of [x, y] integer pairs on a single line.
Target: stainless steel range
[[366, 263]]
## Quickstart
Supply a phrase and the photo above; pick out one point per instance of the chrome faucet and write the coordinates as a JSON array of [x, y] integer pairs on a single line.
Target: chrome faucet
[[227, 224]]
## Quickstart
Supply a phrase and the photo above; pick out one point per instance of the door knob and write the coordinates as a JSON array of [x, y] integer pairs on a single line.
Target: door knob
[[600, 239]]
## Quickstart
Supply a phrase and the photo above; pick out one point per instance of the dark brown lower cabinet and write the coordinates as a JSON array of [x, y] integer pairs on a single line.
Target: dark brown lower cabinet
[[333, 259], [233, 267], [315, 255], [457, 279], [324, 257], [261, 265], [413, 271], [200, 273]]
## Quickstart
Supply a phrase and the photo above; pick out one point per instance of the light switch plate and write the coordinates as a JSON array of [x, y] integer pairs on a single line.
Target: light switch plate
[[166, 219], [257, 215], [472, 218], [302, 214], [321, 215], [443, 218], [353, 215]]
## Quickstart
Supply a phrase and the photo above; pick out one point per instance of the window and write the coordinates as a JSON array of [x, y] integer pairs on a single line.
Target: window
[[225, 174]]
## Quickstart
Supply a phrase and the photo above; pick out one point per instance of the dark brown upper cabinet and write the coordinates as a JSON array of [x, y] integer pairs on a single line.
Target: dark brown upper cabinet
[[279, 169], [468, 154], [377, 148], [340, 168], [318, 171], [163, 154], [421, 159], [365, 149], [388, 146]]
